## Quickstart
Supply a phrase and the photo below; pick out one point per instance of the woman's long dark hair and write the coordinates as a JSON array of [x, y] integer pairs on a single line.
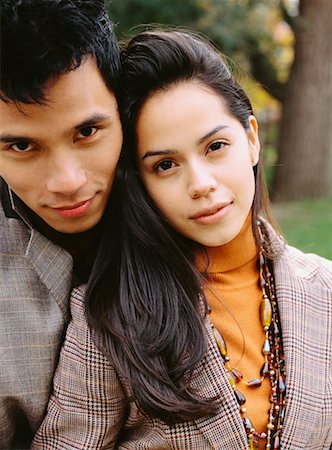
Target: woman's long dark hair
[[145, 301]]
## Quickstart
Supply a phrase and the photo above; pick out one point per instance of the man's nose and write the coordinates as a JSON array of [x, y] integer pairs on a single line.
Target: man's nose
[[66, 175]]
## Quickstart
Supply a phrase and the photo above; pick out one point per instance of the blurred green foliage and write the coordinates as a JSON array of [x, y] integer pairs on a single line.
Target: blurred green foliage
[[248, 31], [307, 225]]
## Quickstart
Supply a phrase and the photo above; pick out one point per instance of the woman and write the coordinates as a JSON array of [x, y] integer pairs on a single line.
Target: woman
[[207, 330]]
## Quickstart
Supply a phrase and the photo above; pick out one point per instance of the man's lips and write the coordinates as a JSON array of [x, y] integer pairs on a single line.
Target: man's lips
[[74, 210], [212, 213]]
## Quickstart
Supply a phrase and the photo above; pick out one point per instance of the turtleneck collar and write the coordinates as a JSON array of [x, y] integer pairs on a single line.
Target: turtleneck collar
[[232, 255]]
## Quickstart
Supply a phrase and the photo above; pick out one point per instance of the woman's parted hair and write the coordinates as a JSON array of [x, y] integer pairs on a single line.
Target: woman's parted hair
[[145, 299], [158, 60]]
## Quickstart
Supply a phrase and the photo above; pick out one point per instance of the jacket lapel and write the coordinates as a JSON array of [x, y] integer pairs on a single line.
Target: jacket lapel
[[301, 322], [53, 264], [225, 430], [54, 267]]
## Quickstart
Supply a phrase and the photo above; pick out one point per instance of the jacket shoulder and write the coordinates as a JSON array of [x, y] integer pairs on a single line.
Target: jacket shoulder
[[308, 266]]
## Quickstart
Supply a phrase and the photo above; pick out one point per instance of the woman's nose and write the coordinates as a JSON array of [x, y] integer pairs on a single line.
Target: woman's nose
[[201, 183]]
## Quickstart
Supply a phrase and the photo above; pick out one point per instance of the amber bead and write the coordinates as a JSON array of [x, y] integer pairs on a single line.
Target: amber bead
[[220, 342], [252, 443], [231, 377], [266, 312]]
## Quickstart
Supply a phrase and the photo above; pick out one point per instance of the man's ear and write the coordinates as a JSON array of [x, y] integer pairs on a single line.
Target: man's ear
[[254, 144]]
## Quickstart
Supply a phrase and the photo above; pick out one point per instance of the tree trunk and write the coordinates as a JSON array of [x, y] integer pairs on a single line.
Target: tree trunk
[[305, 145]]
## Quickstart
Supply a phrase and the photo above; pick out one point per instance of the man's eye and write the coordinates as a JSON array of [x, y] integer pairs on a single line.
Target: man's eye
[[164, 165], [21, 147], [88, 131]]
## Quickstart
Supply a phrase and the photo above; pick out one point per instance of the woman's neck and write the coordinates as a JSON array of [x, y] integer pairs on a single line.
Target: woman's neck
[[232, 255]]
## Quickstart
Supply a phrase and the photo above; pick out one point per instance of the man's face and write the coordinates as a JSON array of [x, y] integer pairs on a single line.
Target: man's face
[[60, 158]]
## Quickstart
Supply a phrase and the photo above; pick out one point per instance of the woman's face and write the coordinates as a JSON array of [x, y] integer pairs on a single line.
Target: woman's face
[[196, 161]]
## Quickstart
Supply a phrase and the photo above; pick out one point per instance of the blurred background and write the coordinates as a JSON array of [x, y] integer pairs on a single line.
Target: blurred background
[[281, 52]]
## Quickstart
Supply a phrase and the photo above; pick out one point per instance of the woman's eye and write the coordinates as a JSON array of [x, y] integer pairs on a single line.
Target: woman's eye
[[216, 146], [21, 147], [88, 131], [164, 165]]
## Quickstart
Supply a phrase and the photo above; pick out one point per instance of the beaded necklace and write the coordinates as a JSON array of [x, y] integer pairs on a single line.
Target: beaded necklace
[[273, 367]]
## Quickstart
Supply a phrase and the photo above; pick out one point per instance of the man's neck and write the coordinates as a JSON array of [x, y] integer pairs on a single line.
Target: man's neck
[[82, 246]]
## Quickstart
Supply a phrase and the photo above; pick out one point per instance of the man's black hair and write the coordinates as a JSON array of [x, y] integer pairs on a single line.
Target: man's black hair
[[42, 39]]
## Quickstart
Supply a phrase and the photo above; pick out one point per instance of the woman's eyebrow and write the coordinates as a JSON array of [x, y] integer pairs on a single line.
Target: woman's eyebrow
[[173, 152], [211, 133], [159, 153]]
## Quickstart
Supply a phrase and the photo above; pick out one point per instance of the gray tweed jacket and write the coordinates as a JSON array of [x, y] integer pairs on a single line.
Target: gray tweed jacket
[[91, 408], [35, 284]]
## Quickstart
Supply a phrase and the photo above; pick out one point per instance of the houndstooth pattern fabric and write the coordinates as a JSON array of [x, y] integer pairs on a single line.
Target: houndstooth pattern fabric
[[89, 408], [35, 285]]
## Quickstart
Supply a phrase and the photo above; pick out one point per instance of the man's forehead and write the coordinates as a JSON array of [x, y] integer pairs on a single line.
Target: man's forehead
[[52, 89], [75, 95]]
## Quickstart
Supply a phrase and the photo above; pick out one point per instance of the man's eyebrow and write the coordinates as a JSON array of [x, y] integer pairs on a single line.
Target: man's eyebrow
[[92, 120], [211, 133], [159, 153], [8, 138]]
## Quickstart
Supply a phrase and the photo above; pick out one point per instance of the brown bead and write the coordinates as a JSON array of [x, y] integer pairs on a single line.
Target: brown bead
[[240, 397], [256, 382], [264, 370], [282, 386], [248, 423], [237, 374], [276, 329], [266, 348]]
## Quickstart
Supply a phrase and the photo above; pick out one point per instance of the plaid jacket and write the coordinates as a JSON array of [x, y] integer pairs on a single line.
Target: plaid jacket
[[90, 406], [35, 285]]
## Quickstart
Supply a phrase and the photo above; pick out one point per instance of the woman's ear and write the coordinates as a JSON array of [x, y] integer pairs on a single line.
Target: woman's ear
[[254, 144]]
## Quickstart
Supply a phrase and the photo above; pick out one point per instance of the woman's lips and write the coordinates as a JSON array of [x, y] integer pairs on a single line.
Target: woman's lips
[[211, 215]]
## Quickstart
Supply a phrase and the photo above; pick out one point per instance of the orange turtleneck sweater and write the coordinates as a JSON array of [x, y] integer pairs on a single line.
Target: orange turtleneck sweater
[[234, 296]]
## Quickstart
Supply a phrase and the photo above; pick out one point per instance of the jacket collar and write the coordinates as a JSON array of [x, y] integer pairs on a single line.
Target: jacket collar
[[301, 307], [53, 264], [13, 207]]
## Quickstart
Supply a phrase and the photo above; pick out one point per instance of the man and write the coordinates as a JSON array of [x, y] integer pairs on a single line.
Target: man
[[60, 140]]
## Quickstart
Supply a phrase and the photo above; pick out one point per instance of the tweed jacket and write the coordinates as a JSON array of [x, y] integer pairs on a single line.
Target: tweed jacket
[[35, 285], [91, 407]]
